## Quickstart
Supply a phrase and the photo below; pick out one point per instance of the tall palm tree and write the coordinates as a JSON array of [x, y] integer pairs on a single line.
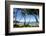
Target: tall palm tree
[[25, 12], [34, 12], [24, 15]]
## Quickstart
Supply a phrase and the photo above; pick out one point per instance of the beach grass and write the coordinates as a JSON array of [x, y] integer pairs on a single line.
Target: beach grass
[[20, 26]]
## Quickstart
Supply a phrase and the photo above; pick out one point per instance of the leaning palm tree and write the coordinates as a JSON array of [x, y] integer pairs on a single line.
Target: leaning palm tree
[[33, 12], [15, 11], [25, 12], [24, 15]]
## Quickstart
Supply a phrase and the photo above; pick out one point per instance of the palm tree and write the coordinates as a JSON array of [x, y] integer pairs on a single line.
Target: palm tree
[[14, 16], [25, 12], [33, 12], [24, 15]]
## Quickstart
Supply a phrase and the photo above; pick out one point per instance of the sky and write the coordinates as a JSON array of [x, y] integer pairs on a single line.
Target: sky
[[20, 18]]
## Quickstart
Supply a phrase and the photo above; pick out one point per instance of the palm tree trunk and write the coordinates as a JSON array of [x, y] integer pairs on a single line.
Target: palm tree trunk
[[24, 20], [36, 18]]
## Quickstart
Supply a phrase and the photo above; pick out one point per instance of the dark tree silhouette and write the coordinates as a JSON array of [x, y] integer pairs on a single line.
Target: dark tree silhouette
[[24, 15], [25, 12], [34, 12]]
